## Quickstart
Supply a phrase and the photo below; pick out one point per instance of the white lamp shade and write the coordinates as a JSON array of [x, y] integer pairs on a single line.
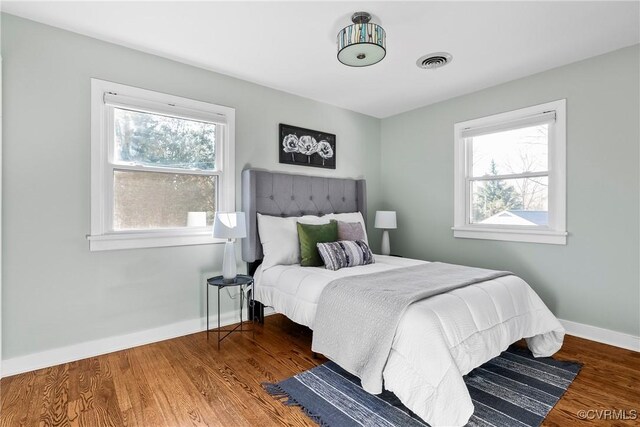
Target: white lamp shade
[[229, 225], [196, 219], [386, 220]]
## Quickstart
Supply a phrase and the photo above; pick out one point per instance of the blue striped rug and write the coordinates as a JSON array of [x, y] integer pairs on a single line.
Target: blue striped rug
[[514, 389]]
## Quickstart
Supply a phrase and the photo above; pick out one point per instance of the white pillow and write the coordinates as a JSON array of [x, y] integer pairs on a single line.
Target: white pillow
[[279, 238], [350, 217]]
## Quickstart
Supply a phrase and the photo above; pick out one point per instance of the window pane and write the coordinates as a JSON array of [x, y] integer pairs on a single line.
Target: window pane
[[510, 152], [162, 141], [146, 200], [522, 201]]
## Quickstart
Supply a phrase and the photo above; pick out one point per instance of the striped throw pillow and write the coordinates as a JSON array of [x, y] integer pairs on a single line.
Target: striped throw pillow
[[345, 253]]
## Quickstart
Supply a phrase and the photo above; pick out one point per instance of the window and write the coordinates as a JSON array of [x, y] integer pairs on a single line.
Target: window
[[161, 166], [510, 176]]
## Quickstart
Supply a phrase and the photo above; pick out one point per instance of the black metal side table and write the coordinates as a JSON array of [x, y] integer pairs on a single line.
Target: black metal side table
[[241, 280]]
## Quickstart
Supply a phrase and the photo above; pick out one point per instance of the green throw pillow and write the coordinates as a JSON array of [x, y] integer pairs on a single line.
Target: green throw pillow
[[309, 236]]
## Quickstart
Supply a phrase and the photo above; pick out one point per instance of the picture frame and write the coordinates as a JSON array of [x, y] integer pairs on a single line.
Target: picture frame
[[306, 147]]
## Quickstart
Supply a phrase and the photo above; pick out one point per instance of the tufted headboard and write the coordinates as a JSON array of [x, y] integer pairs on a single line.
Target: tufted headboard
[[282, 194]]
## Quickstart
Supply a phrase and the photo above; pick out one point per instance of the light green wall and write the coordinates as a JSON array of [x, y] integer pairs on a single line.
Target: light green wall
[[55, 291], [594, 279]]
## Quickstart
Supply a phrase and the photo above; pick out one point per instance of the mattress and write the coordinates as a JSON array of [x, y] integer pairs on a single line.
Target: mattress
[[439, 339]]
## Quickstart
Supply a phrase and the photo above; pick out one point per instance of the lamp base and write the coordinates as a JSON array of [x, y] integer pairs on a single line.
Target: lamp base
[[229, 270], [385, 248]]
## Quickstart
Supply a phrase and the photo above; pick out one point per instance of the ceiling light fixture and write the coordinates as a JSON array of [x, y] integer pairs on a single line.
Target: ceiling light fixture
[[361, 43]]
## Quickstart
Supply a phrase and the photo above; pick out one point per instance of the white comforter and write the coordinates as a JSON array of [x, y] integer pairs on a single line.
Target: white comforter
[[439, 339]]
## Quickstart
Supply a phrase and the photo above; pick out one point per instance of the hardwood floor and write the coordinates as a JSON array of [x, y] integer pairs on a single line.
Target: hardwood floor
[[187, 382]]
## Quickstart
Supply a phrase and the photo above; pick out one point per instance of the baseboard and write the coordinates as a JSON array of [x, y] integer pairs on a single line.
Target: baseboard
[[71, 353], [57, 356], [605, 336]]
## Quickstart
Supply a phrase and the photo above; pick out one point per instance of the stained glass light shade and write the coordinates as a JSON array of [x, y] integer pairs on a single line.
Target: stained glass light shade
[[362, 43]]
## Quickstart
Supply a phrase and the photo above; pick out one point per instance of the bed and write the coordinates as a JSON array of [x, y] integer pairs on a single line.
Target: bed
[[438, 340]]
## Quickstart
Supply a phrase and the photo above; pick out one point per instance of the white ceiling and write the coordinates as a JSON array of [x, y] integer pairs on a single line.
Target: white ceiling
[[291, 46]]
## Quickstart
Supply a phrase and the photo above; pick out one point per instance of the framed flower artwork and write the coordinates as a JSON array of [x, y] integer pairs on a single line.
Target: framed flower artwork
[[306, 147]]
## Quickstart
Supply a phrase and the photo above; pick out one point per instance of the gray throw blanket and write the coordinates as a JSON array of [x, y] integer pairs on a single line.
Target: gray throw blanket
[[357, 316]]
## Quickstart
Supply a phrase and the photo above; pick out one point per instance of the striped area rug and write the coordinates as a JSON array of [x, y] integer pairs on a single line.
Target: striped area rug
[[512, 390]]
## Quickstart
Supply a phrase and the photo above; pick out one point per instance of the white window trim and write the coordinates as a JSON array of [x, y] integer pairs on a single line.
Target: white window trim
[[556, 232], [101, 198]]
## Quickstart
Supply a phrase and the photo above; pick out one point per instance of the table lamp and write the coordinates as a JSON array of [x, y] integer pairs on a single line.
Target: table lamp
[[385, 220], [196, 219], [229, 225]]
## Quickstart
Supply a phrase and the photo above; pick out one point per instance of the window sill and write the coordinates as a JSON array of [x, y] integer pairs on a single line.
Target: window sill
[[139, 240], [511, 235]]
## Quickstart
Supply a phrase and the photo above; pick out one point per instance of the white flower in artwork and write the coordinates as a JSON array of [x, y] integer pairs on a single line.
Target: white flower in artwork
[[307, 145], [290, 145], [324, 150]]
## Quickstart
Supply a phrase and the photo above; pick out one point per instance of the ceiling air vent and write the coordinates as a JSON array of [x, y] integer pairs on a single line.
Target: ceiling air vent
[[434, 60]]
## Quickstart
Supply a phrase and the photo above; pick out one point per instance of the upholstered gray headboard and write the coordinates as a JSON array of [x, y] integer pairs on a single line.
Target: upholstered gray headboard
[[282, 194]]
